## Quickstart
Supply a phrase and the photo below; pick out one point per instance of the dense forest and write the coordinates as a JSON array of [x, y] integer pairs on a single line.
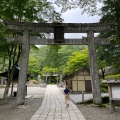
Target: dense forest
[[58, 59]]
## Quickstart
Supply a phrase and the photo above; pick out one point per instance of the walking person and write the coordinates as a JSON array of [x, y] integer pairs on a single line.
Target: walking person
[[66, 93]]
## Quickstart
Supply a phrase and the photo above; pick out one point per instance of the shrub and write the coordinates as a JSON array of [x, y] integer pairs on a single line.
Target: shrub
[[103, 87], [34, 81], [117, 76]]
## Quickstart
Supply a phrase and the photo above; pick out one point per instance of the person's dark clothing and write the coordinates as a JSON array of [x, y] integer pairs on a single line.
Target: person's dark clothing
[[66, 91]]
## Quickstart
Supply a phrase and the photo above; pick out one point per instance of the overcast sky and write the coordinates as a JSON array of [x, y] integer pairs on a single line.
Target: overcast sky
[[75, 16]]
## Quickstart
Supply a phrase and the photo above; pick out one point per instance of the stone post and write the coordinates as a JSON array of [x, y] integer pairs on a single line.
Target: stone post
[[23, 68], [46, 79], [57, 78], [39, 79], [94, 69], [60, 78]]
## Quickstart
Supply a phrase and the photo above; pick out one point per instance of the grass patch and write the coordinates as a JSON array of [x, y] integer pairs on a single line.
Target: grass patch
[[90, 101], [105, 102], [102, 105]]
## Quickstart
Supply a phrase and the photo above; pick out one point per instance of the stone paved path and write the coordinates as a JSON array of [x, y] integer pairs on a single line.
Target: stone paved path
[[53, 107]]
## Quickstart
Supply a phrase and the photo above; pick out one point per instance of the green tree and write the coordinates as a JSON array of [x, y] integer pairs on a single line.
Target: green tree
[[76, 61], [103, 59], [55, 56], [52, 56], [40, 55], [33, 66], [9, 52], [24, 11], [65, 52], [111, 53], [49, 70]]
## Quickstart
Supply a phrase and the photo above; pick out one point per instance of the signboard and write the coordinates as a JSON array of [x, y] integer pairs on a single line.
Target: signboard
[[115, 91]]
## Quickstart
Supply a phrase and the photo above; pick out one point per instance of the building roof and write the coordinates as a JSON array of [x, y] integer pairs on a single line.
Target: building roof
[[72, 74], [111, 81], [16, 74]]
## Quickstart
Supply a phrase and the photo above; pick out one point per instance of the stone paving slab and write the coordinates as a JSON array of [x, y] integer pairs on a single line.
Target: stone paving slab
[[53, 107]]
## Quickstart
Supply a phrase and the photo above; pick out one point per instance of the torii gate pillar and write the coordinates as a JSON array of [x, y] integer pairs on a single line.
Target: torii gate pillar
[[94, 69], [23, 68]]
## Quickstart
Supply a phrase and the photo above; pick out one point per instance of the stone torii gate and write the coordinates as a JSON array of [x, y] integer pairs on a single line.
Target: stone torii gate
[[58, 29]]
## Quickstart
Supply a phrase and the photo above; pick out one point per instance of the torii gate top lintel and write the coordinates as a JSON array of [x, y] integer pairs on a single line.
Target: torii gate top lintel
[[49, 27]]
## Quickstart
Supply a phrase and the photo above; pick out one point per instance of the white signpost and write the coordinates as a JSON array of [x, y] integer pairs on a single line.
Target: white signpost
[[116, 92]]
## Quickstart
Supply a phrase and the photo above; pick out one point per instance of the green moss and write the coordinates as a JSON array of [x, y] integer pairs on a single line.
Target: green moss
[[100, 105], [35, 82], [90, 101]]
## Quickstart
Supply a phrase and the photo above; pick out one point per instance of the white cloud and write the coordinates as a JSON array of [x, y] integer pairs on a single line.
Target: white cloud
[[75, 16]]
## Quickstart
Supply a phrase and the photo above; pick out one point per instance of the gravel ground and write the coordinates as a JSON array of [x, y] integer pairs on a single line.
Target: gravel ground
[[25, 112], [8, 112], [98, 113]]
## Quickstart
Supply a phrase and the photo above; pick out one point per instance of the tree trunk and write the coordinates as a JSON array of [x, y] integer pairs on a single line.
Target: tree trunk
[[3, 70], [12, 88], [10, 76], [5, 96], [103, 73]]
